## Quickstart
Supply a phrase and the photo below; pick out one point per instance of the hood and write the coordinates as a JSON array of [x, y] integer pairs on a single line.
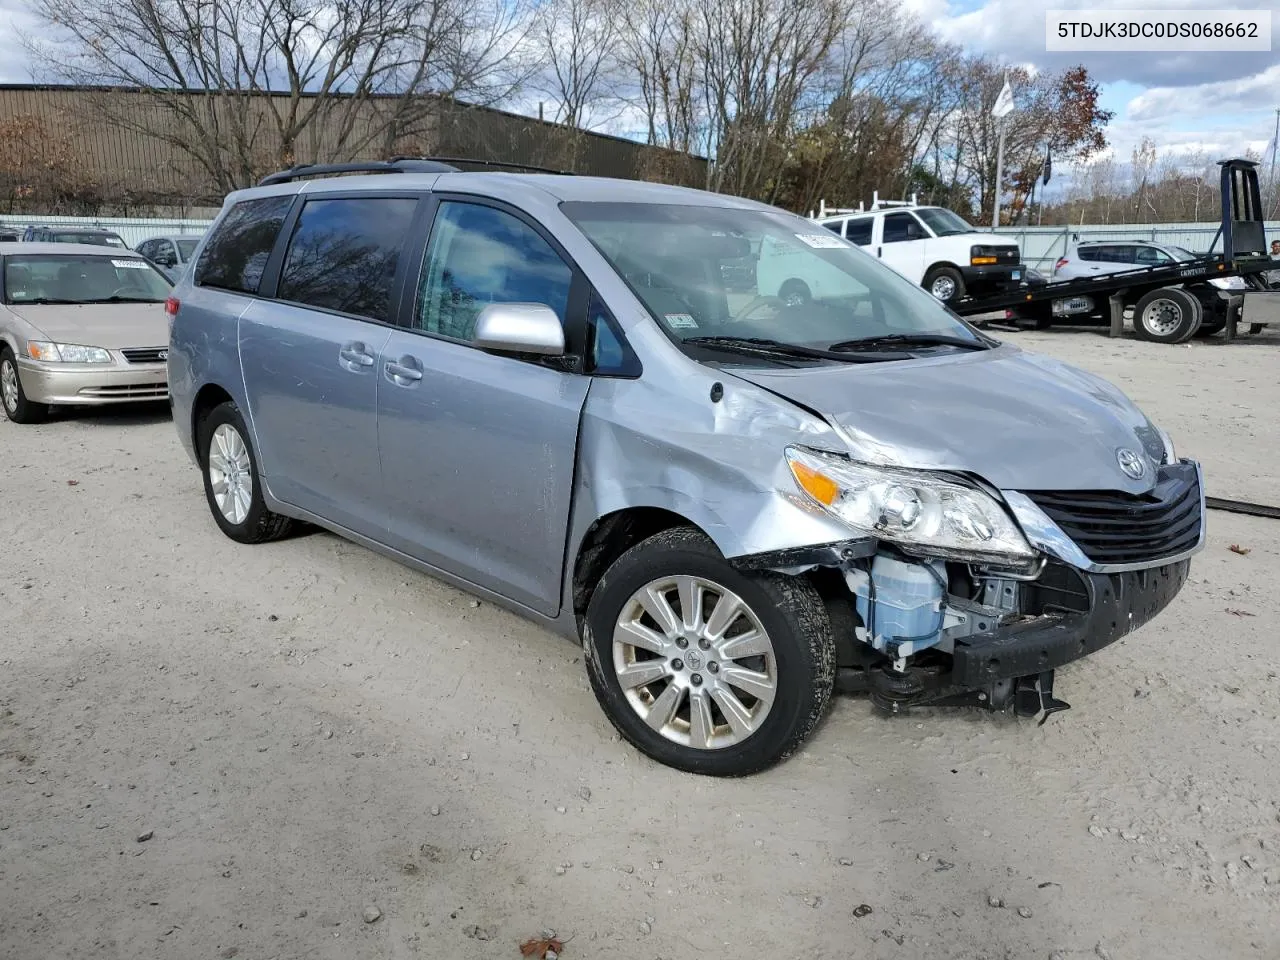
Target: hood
[[1018, 420], [110, 325]]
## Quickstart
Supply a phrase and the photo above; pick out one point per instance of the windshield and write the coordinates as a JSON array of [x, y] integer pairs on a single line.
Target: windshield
[[97, 239], [78, 278], [943, 222], [753, 274], [1181, 253]]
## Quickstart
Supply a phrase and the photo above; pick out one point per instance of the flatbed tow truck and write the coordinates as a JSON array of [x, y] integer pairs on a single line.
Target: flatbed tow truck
[[1180, 293]]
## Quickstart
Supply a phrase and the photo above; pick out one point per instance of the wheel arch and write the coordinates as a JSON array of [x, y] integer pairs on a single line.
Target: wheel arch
[[207, 398], [608, 538], [938, 266]]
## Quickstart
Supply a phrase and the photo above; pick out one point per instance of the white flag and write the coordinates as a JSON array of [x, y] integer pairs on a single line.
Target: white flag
[[1004, 103]]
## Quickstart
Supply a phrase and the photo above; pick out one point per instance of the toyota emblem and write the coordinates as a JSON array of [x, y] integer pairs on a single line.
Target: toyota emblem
[[164, 354], [1131, 463]]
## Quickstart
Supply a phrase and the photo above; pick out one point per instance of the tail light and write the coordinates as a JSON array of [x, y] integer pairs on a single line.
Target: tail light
[[171, 306], [1062, 262]]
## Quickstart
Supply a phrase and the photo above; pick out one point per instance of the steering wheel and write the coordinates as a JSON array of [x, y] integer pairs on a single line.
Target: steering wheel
[[755, 305]]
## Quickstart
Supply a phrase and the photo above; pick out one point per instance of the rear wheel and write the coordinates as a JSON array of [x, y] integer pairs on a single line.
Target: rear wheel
[[1167, 315], [702, 667], [16, 405], [231, 479], [945, 283]]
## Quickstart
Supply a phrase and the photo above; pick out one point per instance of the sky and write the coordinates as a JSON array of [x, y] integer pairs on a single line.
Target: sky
[[1221, 104], [1218, 104]]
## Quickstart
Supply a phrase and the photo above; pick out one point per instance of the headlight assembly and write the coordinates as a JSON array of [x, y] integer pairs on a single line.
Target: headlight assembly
[[921, 513], [47, 352]]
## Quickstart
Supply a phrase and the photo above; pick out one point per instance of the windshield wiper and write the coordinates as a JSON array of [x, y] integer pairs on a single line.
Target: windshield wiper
[[42, 301], [118, 299], [762, 345], [910, 340]]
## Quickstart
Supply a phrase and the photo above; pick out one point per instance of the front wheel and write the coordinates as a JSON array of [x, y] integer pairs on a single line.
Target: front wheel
[[795, 293], [16, 405], [232, 482], [945, 283], [704, 668]]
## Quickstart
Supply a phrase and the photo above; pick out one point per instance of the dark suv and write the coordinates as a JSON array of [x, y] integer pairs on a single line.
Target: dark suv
[[68, 234]]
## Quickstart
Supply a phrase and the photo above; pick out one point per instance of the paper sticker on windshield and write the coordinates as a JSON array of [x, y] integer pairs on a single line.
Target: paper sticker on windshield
[[820, 240], [130, 264], [681, 321]]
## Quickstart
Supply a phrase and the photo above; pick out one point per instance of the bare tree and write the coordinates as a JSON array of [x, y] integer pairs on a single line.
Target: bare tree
[[243, 85], [575, 42], [657, 46]]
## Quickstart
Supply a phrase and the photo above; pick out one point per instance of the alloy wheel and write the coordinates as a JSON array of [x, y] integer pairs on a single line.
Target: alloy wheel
[[230, 473], [694, 662], [9, 385]]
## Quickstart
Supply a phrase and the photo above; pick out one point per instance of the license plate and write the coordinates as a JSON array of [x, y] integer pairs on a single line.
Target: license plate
[[1017, 274]]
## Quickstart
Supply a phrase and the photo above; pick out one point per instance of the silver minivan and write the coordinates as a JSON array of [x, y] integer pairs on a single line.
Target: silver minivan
[[542, 389]]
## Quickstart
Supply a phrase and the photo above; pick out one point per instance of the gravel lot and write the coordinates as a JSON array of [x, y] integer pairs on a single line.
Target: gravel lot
[[304, 732]]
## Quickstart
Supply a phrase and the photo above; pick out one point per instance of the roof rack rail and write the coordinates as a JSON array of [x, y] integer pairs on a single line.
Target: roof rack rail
[[497, 164], [398, 165]]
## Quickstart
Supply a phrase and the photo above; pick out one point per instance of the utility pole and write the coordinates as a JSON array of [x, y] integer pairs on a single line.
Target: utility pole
[[1275, 187]]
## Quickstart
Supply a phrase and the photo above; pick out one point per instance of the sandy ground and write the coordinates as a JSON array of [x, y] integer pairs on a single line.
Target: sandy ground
[[305, 730]]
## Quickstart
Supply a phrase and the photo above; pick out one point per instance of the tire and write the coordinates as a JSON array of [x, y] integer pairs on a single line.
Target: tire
[[12, 397], [1167, 315], [945, 284], [226, 451], [799, 662], [795, 293]]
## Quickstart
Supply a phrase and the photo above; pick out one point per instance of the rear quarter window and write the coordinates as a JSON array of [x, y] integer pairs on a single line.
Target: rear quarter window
[[236, 254]]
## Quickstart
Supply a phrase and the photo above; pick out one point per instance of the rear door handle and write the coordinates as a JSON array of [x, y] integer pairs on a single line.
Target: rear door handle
[[404, 372], [355, 356]]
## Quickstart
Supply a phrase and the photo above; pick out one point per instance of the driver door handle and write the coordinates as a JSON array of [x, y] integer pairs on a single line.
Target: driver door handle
[[402, 370]]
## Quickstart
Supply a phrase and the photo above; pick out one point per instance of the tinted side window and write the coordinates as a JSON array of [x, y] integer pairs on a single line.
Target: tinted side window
[[343, 254], [901, 226], [859, 231], [237, 252], [479, 255], [1088, 254], [835, 226]]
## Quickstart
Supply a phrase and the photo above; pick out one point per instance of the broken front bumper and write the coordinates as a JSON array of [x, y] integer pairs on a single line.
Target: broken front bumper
[[1111, 606]]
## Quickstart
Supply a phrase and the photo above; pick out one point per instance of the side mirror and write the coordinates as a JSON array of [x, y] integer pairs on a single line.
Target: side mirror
[[519, 328]]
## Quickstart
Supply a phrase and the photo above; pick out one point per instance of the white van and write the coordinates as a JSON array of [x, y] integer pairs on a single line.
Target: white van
[[931, 246]]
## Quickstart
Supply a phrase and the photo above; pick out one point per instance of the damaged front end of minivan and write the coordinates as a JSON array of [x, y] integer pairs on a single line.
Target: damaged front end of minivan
[[964, 594]]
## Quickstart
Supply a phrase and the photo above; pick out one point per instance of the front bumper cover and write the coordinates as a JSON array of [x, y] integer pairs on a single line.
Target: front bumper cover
[[90, 384], [1118, 603]]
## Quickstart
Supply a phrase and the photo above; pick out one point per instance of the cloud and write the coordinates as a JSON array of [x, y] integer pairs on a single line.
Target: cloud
[[15, 20], [1014, 30], [1247, 94]]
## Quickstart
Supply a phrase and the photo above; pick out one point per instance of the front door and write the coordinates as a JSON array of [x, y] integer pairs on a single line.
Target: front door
[[902, 243], [478, 449], [311, 357]]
